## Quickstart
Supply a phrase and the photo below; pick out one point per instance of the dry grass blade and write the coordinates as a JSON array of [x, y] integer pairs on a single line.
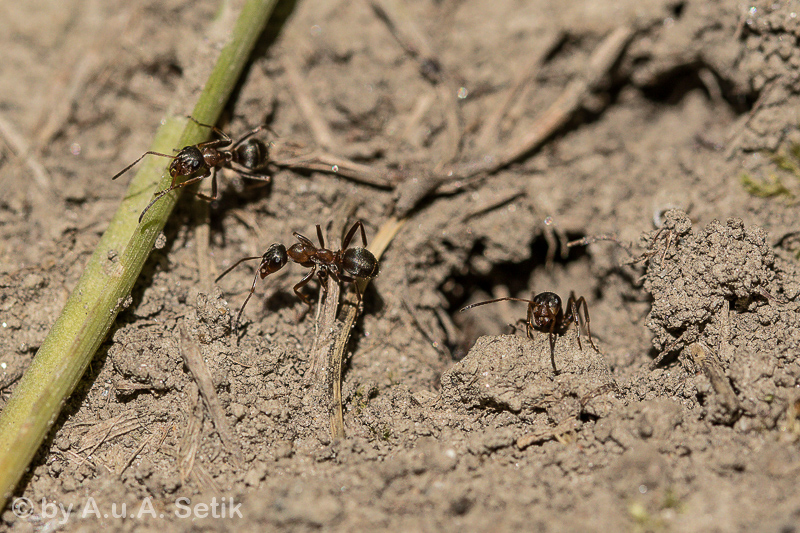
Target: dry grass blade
[[190, 441], [324, 162], [136, 452], [190, 351], [108, 429], [308, 107], [348, 317]]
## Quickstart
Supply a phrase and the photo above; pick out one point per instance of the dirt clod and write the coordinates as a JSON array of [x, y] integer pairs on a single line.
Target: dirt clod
[[690, 275]]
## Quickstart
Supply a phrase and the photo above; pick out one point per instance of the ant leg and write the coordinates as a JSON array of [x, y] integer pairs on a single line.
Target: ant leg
[[160, 194], [253, 132], [124, 170], [252, 290], [352, 232], [529, 321], [301, 284], [320, 237], [213, 188], [209, 126], [341, 278], [355, 284], [582, 301], [214, 143], [251, 175], [248, 135], [572, 309], [326, 273], [224, 141], [322, 276], [553, 346], [303, 240]]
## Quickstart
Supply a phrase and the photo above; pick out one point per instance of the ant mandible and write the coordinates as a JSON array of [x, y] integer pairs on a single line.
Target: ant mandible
[[546, 314], [202, 160], [345, 264]]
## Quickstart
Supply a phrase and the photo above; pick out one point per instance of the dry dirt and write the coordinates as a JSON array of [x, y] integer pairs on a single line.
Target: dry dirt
[[688, 417]]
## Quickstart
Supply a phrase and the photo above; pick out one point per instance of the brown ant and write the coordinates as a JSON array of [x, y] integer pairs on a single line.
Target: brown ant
[[546, 314], [249, 156], [345, 264]]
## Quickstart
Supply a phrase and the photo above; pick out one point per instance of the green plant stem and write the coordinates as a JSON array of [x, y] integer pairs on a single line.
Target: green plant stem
[[114, 267]]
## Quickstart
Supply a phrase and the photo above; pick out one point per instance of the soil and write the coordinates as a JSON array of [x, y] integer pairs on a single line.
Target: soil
[[685, 418]]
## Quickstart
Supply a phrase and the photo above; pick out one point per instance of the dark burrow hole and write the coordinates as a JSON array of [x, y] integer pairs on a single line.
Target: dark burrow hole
[[514, 277], [671, 86]]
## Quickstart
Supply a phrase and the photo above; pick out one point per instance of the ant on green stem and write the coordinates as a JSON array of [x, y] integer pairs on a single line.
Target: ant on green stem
[[248, 157]]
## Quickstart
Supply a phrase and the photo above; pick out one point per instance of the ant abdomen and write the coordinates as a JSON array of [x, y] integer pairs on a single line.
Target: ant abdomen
[[359, 263], [252, 154]]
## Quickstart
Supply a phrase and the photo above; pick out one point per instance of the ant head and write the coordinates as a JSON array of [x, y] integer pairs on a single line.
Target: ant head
[[252, 154], [187, 162], [273, 260], [359, 263], [546, 308]]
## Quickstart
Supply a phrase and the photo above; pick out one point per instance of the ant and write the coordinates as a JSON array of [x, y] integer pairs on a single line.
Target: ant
[[345, 264], [202, 160], [546, 314]]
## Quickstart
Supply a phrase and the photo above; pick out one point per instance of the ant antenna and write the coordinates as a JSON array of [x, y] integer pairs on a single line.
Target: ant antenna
[[470, 306], [252, 289]]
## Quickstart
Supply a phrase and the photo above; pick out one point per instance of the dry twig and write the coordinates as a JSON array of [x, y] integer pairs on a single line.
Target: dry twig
[[138, 450], [491, 129], [324, 162], [411, 193], [559, 113], [22, 149], [414, 41]]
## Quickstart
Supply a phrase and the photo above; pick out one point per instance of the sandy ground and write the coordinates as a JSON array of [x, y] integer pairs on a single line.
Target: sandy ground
[[658, 123]]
